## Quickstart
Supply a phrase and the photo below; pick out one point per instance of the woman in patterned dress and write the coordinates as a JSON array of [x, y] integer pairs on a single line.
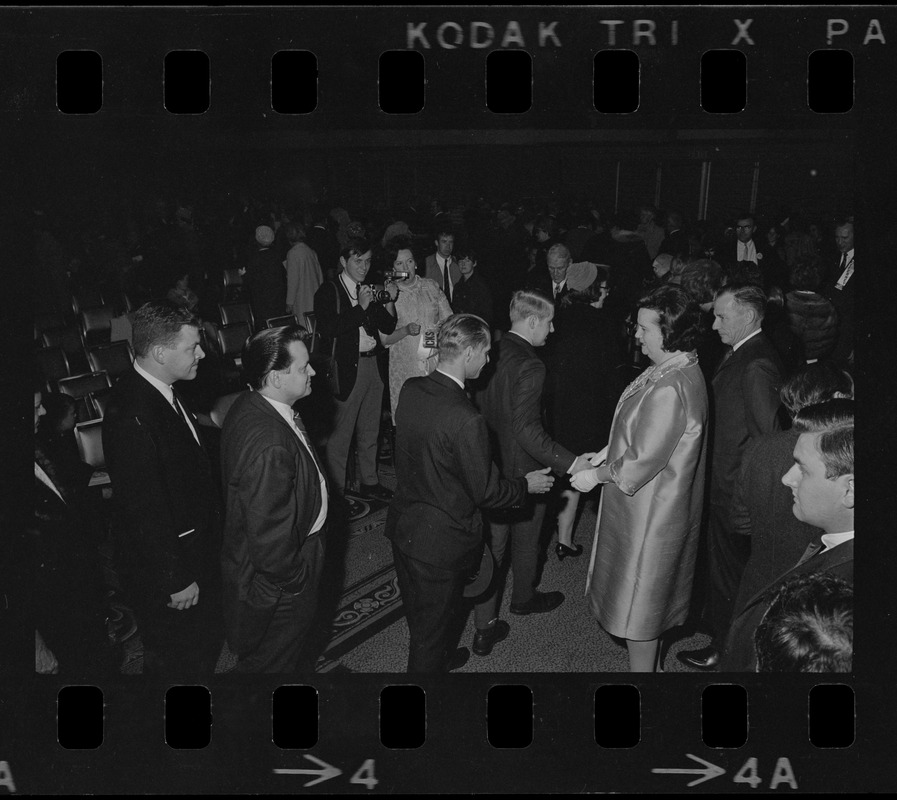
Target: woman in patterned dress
[[420, 307]]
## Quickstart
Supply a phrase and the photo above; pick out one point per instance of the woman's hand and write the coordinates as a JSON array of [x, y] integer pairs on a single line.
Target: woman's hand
[[412, 329], [585, 480]]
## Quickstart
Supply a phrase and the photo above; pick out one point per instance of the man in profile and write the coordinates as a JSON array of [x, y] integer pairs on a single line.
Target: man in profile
[[822, 483], [273, 549], [166, 501], [445, 476], [512, 405], [745, 397]]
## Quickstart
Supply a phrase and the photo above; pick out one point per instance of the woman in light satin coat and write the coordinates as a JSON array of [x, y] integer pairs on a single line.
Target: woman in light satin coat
[[646, 539]]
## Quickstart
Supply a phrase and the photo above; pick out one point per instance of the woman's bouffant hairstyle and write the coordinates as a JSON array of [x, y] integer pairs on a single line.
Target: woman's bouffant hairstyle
[[269, 351], [459, 332], [680, 317], [815, 383], [701, 279], [394, 246], [806, 274]]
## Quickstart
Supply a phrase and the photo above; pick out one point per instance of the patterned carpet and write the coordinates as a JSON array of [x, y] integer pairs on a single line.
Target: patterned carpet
[[367, 604]]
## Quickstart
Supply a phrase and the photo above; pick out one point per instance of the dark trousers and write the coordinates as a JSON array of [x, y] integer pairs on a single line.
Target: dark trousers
[[728, 554], [523, 528], [358, 414], [281, 646], [433, 599], [182, 644]]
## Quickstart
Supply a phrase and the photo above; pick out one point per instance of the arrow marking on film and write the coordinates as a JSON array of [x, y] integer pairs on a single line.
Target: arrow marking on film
[[708, 772], [326, 772]]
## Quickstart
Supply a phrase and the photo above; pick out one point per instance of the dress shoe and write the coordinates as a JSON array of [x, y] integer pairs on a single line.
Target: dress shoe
[[563, 551], [704, 659], [375, 491], [540, 603], [485, 640], [457, 659]]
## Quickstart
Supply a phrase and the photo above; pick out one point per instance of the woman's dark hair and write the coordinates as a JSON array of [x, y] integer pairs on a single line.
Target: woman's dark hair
[[467, 252], [680, 317], [806, 274], [269, 351], [701, 279], [355, 247], [591, 294], [295, 232], [815, 383], [394, 246]]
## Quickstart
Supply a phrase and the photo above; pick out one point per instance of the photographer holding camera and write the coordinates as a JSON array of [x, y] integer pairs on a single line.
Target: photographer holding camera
[[420, 307], [351, 316]]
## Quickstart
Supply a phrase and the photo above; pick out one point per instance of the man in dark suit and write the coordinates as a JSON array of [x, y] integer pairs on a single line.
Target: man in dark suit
[[441, 266], [676, 241], [821, 481], [762, 504], [346, 311], [273, 549], [839, 288], [553, 282], [743, 247], [745, 399], [167, 504], [512, 404], [445, 476]]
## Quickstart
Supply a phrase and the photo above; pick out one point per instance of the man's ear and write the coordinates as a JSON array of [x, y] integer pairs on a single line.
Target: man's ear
[[533, 321], [848, 497], [158, 353]]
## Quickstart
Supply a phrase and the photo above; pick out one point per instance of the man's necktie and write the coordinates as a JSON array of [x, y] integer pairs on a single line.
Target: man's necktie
[[557, 288], [446, 281], [182, 415], [843, 262]]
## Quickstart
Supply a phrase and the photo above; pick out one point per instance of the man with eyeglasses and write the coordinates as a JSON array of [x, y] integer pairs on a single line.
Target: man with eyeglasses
[[744, 248]]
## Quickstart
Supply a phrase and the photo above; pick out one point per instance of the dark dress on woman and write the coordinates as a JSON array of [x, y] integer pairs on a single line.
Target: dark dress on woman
[[266, 280], [581, 385]]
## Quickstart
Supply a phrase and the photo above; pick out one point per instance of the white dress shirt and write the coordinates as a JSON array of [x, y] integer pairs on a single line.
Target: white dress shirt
[[747, 251], [749, 336], [287, 413], [168, 393], [365, 341], [831, 540]]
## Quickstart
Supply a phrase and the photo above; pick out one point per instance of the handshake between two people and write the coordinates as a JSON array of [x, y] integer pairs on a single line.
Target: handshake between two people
[[583, 472], [585, 476]]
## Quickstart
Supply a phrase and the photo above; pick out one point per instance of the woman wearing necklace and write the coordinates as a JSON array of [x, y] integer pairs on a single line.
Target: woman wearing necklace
[[420, 307], [646, 539]]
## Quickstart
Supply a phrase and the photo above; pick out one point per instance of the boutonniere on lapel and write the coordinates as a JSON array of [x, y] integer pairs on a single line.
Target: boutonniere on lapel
[[759, 256]]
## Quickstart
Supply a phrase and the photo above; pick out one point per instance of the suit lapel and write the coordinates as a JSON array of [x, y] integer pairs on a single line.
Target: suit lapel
[[166, 411], [48, 467], [838, 556]]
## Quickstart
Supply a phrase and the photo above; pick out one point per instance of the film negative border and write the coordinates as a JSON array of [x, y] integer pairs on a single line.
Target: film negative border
[[348, 42]]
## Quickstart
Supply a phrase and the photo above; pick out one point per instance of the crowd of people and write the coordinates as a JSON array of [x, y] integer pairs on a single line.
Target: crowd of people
[[498, 343]]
